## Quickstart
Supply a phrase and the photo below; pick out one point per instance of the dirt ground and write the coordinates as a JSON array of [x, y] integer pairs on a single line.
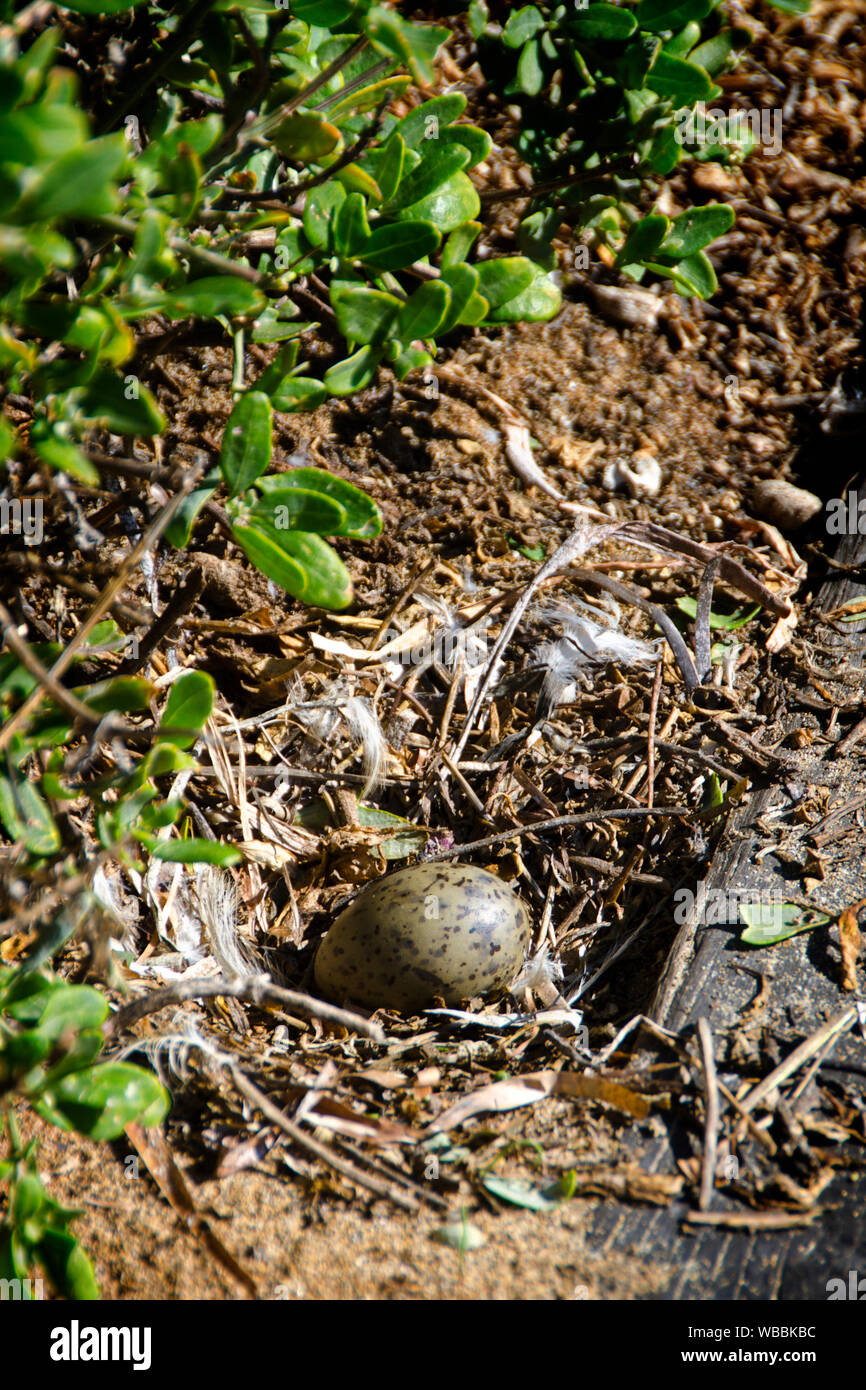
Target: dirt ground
[[723, 395]]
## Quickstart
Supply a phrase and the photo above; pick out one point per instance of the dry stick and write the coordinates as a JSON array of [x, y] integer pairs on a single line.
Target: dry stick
[[674, 749], [831, 1030], [802, 1086], [255, 991], [672, 1041], [750, 1221], [182, 600], [703, 638], [851, 740], [651, 736], [104, 602], [731, 571], [711, 1119], [585, 818], [324, 1152], [388, 1170]]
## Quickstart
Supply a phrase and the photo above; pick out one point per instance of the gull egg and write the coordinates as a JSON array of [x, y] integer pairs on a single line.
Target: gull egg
[[448, 931]]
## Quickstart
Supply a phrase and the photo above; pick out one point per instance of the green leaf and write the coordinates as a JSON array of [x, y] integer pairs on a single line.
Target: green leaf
[[195, 852], [683, 82], [459, 1235], [479, 15], [695, 275], [270, 556], [319, 208], [296, 393], [714, 54], [24, 996], [791, 6], [246, 442], [163, 760], [353, 373], [409, 838], [189, 705], [211, 296], [423, 314], [351, 228], [326, 14], [300, 562], [410, 359], [503, 279], [644, 239], [476, 141], [389, 165], [530, 73], [123, 406], [295, 509], [462, 281], [728, 622], [770, 923], [411, 43], [522, 25], [304, 137], [368, 98], [520, 1193], [290, 253], [72, 1007], [328, 583], [78, 184], [693, 230], [364, 315], [41, 133], [49, 444], [179, 529], [459, 244], [659, 15], [270, 327], [426, 121], [456, 202], [100, 6], [58, 1252], [439, 165], [100, 1101], [118, 694], [666, 151], [602, 22], [399, 244], [362, 517], [26, 817], [538, 302], [682, 43]]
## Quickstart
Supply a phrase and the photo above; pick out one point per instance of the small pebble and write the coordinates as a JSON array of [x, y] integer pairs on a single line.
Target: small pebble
[[784, 505]]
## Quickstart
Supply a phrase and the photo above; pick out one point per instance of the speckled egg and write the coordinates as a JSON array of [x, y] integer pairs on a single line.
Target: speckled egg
[[446, 930]]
